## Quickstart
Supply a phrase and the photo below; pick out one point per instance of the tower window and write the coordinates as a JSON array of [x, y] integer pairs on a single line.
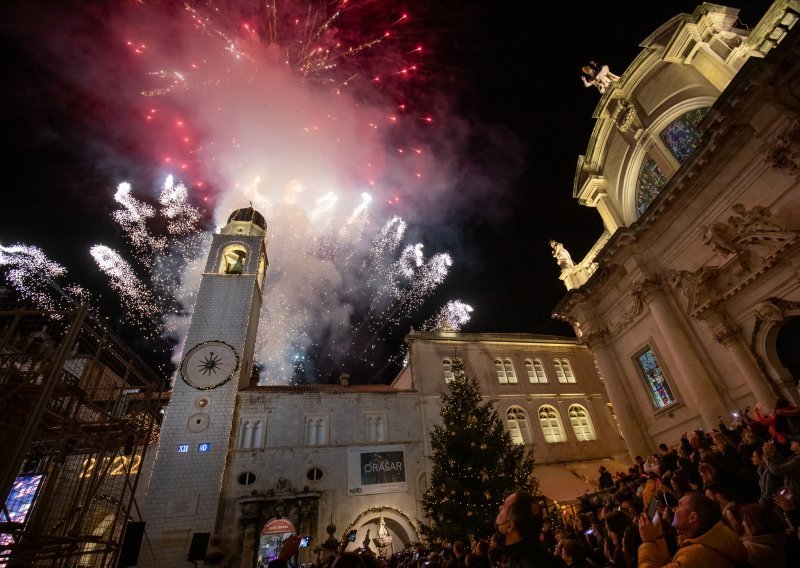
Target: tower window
[[233, 260]]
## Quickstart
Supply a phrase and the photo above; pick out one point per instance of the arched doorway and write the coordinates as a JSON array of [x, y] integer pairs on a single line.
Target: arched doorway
[[271, 539]]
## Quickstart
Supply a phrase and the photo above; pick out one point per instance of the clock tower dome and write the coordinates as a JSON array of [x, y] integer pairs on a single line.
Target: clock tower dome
[[183, 497]]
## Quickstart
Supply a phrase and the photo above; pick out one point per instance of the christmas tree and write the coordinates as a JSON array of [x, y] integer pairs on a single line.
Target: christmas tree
[[475, 464]]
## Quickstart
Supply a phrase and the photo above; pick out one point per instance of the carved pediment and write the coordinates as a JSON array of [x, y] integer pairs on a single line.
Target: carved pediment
[[709, 285]]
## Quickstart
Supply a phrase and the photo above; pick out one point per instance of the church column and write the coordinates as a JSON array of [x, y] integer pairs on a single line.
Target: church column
[[636, 438], [695, 382], [730, 336]]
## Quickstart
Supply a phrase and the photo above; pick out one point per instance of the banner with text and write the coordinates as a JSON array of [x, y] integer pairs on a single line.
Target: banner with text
[[376, 469]]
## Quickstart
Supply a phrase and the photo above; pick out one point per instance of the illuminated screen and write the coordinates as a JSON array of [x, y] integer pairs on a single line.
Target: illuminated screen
[[21, 497]]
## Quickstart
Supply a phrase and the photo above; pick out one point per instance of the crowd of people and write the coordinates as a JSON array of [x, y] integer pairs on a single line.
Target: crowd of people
[[728, 497], [725, 498]]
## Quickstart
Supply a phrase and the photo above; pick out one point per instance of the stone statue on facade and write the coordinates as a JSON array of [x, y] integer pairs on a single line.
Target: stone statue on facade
[[714, 236], [600, 77], [561, 255], [753, 221]]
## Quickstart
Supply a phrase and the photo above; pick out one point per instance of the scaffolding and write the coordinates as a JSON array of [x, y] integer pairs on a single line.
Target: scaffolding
[[78, 411]]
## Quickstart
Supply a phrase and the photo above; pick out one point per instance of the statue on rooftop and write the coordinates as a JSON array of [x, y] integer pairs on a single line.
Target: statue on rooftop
[[600, 77], [561, 255]]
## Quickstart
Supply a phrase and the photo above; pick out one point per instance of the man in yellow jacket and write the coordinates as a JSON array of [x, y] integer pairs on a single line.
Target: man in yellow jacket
[[705, 541]]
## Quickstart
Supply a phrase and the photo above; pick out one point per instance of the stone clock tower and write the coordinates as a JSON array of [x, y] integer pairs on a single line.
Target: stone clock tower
[[186, 483]]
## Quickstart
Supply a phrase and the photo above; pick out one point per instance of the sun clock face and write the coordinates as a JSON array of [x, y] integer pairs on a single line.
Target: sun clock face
[[209, 365]]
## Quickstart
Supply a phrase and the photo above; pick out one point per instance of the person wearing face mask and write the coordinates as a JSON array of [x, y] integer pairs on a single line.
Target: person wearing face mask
[[520, 522]]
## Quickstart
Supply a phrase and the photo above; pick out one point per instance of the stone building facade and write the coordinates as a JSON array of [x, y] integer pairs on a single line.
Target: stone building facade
[[687, 301], [299, 452]]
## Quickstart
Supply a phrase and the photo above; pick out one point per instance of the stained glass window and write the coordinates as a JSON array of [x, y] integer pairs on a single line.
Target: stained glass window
[[656, 381], [683, 134], [651, 182]]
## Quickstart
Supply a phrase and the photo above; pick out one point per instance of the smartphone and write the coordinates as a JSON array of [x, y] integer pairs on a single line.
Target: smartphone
[[305, 540], [351, 536], [651, 507], [669, 500]]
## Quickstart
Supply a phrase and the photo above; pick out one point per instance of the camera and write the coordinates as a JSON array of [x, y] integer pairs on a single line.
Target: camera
[[305, 540]]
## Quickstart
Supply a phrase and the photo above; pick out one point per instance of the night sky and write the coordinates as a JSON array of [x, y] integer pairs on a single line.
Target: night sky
[[511, 75]]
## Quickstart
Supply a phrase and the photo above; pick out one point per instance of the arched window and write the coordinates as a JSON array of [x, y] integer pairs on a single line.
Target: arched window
[[316, 430], [518, 425], [550, 422], [447, 367], [531, 371], [660, 391], [581, 423], [538, 367], [510, 373], [562, 377], [501, 371], [233, 259], [568, 374], [650, 183], [258, 435], [684, 133], [246, 437], [376, 428]]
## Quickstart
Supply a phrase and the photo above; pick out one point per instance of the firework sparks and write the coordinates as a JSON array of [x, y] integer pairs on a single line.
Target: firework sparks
[[124, 281], [315, 101], [451, 317], [31, 273]]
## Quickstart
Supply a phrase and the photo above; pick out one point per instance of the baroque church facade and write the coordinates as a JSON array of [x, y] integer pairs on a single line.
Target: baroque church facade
[[689, 299]]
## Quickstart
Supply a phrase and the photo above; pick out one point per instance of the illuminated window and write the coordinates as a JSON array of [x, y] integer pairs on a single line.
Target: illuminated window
[[650, 183], [518, 425], [550, 422], [531, 371], [447, 366], [569, 376], [501, 371], [510, 373], [562, 377], [659, 389], [683, 134], [538, 367], [581, 423]]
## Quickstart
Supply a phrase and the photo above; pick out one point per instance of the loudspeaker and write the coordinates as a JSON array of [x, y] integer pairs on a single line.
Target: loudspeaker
[[129, 551], [197, 551]]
